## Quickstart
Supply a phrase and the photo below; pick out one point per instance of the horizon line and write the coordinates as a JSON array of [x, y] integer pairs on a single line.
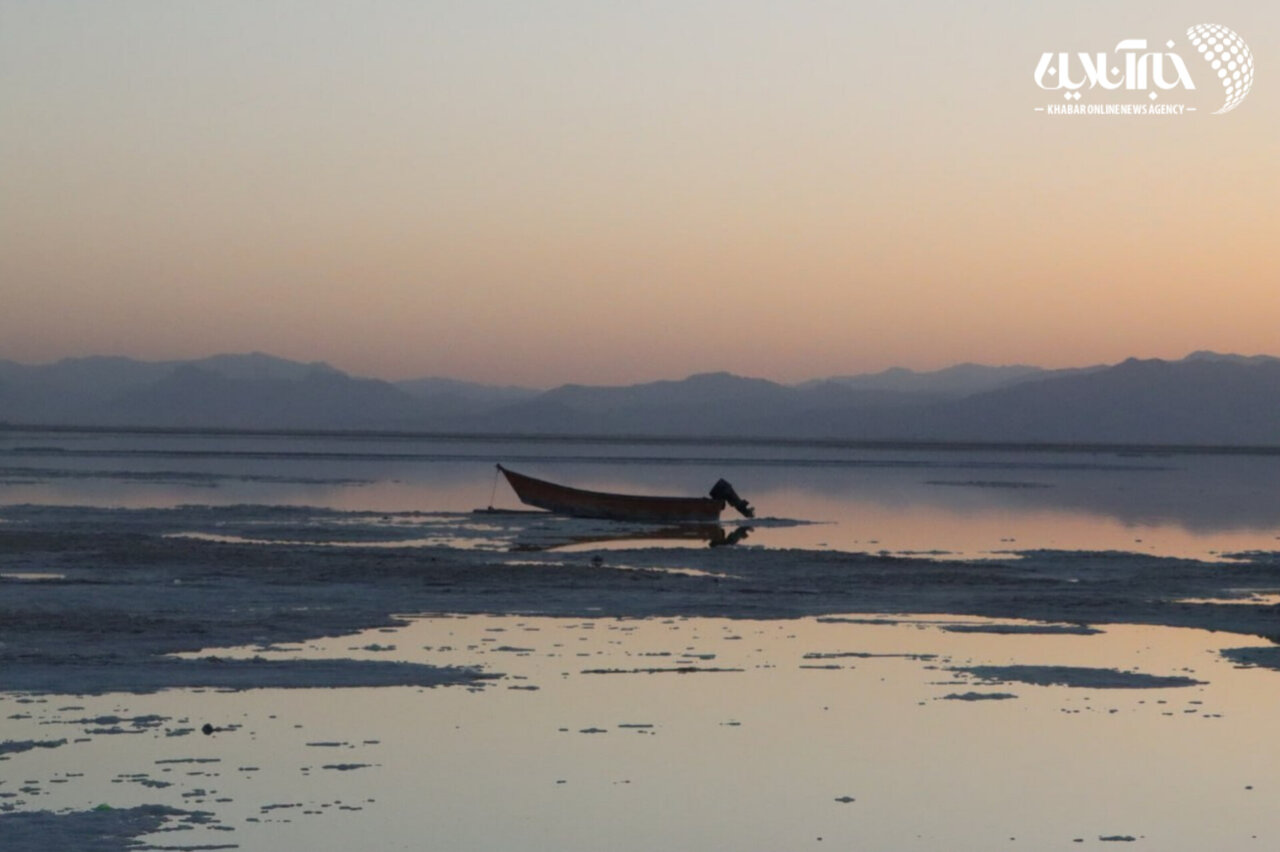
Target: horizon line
[[320, 363]]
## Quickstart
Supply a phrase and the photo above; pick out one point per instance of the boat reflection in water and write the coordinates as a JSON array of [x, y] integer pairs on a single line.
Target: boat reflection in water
[[713, 534]]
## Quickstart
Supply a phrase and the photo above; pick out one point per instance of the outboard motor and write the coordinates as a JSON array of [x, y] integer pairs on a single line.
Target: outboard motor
[[722, 490]]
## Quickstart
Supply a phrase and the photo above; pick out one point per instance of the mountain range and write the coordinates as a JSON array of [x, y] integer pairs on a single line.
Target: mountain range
[[1205, 398]]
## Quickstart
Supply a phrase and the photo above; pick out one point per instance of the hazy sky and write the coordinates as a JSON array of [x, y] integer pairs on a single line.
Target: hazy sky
[[605, 192]]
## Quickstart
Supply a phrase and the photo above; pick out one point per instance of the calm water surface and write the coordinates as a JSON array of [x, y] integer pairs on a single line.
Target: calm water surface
[[961, 502], [687, 734]]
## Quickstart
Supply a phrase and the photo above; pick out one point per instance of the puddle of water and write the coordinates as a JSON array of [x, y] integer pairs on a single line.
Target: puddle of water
[[698, 733]]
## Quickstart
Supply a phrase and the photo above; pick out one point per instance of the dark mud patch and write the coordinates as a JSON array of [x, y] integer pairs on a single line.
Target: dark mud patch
[[1024, 629], [98, 830], [1076, 676], [1265, 656], [667, 670], [978, 696], [865, 655], [18, 746], [218, 673]]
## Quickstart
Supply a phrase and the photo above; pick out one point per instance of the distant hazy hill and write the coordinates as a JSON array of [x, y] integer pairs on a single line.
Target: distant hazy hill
[[1202, 399], [719, 404], [954, 382], [1205, 398], [710, 403], [62, 392], [450, 398], [226, 391], [960, 380], [194, 396]]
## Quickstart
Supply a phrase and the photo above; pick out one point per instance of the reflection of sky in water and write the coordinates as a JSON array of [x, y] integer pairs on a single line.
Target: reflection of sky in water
[[753, 758], [900, 500], [757, 757]]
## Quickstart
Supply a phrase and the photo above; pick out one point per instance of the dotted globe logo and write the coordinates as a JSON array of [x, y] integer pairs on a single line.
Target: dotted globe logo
[[1229, 56]]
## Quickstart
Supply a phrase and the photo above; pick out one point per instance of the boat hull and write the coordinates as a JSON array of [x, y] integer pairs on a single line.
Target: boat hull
[[580, 503]]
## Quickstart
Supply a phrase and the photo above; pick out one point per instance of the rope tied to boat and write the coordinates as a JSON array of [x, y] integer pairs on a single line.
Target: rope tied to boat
[[493, 493]]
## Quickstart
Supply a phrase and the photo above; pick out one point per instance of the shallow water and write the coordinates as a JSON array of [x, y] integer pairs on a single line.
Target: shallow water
[[951, 501], [690, 734], [864, 732]]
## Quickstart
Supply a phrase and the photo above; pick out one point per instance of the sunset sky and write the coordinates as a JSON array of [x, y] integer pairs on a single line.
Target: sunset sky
[[540, 192]]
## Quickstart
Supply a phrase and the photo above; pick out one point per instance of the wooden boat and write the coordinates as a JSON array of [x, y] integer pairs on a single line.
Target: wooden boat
[[580, 503]]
